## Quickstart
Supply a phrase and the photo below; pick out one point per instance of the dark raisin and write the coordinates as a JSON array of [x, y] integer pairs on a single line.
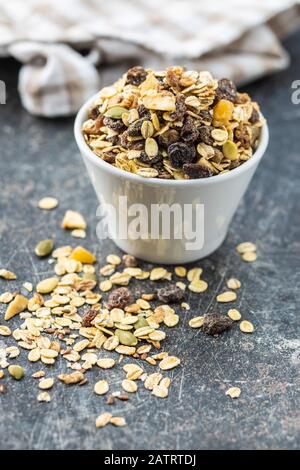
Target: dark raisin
[[180, 108], [205, 135], [254, 118], [88, 317], [143, 112], [129, 261], [94, 113], [189, 131], [170, 294], [136, 75], [196, 170], [167, 138], [215, 323], [115, 124], [181, 153], [108, 157], [119, 298], [114, 139], [205, 118], [226, 90], [150, 161], [134, 130]]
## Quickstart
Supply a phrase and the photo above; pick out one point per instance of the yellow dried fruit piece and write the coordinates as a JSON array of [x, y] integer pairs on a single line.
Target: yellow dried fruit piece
[[16, 306], [17, 372], [84, 256], [246, 326], [230, 150], [47, 285], [222, 111]]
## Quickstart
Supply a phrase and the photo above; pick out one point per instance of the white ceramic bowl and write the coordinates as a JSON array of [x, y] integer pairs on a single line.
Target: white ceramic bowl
[[218, 195]]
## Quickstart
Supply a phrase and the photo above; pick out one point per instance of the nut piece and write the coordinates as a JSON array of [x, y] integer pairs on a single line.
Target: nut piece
[[17, 372], [16, 306], [233, 392], [73, 219], [103, 420], [71, 379], [246, 326]]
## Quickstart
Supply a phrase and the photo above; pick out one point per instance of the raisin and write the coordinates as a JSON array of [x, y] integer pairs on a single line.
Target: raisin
[[173, 77], [215, 323], [226, 90], [114, 139], [189, 131], [88, 317], [180, 108], [143, 112], [167, 138], [205, 135], [114, 124], [119, 298], [205, 117], [129, 261], [136, 75], [170, 294], [242, 135], [180, 153], [254, 118], [150, 161], [94, 113], [196, 170], [134, 130], [109, 157]]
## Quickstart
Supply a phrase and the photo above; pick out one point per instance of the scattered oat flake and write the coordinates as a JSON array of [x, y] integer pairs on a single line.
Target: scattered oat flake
[[249, 256], [103, 420], [227, 296], [234, 314], [233, 283], [246, 326], [46, 384], [246, 247], [5, 330], [48, 203], [196, 322], [129, 386], [169, 363], [233, 392], [6, 297], [38, 375], [78, 233], [44, 397], [198, 286], [8, 275], [101, 387], [118, 421]]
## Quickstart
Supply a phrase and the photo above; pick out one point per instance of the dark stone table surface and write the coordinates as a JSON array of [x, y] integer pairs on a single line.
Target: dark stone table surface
[[39, 157]]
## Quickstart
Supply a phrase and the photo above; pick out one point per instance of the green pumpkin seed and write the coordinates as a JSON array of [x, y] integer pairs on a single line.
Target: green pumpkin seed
[[230, 150], [115, 112], [141, 322], [44, 248], [126, 338], [17, 372]]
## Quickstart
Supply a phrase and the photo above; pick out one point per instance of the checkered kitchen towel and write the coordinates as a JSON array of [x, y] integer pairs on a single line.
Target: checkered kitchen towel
[[239, 39]]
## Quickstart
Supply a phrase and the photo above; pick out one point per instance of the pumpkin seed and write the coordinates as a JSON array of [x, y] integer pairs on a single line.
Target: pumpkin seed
[[17, 372], [44, 248], [126, 337], [147, 129], [115, 112], [141, 322], [230, 150]]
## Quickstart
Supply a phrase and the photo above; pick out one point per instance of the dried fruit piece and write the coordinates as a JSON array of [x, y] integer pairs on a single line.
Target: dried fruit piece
[[136, 75], [197, 170], [73, 219], [223, 111], [44, 248], [16, 306], [181, 153], [88, 317], [226, 90], [215, 323], [170, 294], [84, 256], [119, 298]]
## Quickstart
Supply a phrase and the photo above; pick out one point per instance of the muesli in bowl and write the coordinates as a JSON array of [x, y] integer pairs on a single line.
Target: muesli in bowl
[[173, 124]]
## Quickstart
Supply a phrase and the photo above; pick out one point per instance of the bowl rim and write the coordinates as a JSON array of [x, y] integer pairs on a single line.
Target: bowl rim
[[82, 116]]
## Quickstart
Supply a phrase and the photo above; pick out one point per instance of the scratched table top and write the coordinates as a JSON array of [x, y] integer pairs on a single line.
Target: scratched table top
[[38, 158]]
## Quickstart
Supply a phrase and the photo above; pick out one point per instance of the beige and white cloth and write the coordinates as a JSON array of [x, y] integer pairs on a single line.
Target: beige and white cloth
[[64, 43]]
